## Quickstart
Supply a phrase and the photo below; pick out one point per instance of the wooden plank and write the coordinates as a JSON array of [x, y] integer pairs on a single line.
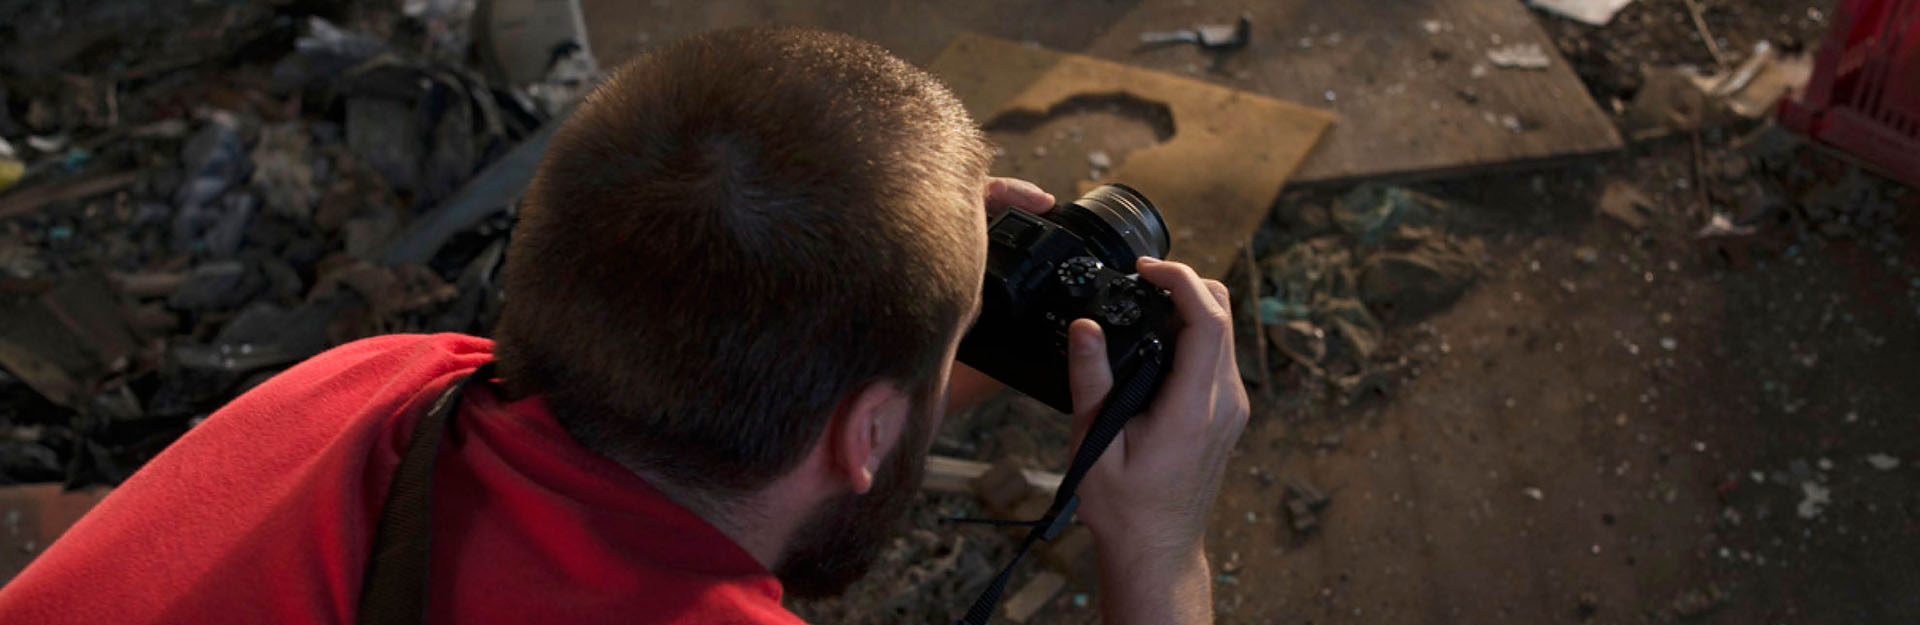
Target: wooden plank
[[1033, 596], [954, 475], [1402, 78], [1401, 106], [1214, 178]]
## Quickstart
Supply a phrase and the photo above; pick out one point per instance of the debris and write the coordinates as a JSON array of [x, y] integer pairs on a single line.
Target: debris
[[10, 172], [66, 339], [214, 160], [1371, 212], [1301, 502], [1520, 56], [485, 194], [573, 73], [1815, 499], [1099, 160], [217, 285], [523, 36], [1035, 595], [1592, 12], [1208, 36], [382, 133], [1534, 493], [283, 170], [1719, 225], [1623, 201], [1422, 271], [1706, 35], [1694, 603], [1299, 340], [1754, 89], [27, 200], [1883, 462], [1587, 604], [325, 51]]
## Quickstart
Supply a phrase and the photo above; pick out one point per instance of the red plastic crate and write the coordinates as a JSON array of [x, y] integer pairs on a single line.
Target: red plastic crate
[[1864, 97]]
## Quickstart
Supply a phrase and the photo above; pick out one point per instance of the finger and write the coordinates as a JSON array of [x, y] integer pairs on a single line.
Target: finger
[[1004, 192], [1089, 375], [1220, 294], [1200, 344]]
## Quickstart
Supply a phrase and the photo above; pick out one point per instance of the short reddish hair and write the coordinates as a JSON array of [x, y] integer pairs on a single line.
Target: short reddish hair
[[732, 234]]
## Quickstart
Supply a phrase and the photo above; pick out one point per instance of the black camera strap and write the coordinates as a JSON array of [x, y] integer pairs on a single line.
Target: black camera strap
[[394, 590], [1123, 402]]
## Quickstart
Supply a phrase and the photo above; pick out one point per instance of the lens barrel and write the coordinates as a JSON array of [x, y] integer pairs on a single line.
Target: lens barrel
[[1119, 223]]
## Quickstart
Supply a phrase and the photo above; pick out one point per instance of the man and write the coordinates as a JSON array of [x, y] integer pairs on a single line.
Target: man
[[734, 296]]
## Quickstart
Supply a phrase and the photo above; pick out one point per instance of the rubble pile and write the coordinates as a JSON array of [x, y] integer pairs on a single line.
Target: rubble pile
[[215, 196], [1374, 256]]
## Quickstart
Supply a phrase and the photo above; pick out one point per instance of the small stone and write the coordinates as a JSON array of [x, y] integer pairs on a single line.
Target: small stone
[[1520, 56], [1883, 462], [1816, 498], [1824, 464], [1099, 160], [1589, 603], [1039, 150], [1669, 343], [1586, 255], [1534, 493], [1330, 97]]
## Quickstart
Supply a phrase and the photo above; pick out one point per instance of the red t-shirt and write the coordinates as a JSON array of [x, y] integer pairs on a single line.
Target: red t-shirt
[[265, 513]]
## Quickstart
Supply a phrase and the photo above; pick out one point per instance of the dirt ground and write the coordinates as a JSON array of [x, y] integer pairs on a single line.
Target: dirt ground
[[1612, 425]]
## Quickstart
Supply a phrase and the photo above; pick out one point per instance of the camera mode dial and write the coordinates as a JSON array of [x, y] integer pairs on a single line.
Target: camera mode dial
[[1079, 273]]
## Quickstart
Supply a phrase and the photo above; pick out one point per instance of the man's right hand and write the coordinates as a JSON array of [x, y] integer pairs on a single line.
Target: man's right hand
[[1148, 498]]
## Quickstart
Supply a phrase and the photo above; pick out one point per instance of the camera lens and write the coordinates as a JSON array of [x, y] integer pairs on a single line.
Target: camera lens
[[1118, 223]]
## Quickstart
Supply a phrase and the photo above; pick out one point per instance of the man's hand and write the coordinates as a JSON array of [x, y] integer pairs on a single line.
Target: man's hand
[[967, 386], [1148, 498]]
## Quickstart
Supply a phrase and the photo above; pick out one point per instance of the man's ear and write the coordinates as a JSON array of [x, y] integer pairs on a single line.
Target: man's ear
[[865, 428]]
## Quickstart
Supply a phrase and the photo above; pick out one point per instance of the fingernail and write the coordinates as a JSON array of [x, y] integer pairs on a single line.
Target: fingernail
[[1146, 260], [1084, 343]]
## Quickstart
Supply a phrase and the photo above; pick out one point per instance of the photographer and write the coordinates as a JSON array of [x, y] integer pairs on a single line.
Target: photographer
[[734, 297]]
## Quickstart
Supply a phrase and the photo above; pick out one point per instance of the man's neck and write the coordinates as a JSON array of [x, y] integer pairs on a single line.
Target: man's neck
[[756, 522]]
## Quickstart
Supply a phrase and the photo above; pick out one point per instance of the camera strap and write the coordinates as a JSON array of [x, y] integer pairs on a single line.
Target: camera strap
[[1123, 402], [394, 589]]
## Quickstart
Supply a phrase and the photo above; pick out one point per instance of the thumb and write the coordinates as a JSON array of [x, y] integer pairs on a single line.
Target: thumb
[[1089, 375]]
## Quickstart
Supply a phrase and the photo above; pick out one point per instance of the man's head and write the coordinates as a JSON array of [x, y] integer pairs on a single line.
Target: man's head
[[746, 248]]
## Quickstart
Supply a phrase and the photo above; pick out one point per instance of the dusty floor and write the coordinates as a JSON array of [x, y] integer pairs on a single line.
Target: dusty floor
[[1610, 426], [1640, 395]]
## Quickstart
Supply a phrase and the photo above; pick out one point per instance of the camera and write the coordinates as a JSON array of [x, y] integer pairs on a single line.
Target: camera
[[1075, 261]]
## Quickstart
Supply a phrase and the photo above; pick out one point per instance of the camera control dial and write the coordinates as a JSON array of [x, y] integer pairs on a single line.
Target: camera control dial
[[1079, 273]]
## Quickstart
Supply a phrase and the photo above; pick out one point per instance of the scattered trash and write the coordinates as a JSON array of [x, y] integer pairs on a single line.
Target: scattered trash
[[1720, 225], [1520, 56], [1301, 503], [1099, 160], [1593, 12], [1208, 36], [1815, 499], [1623, 201], [1695, 603], [10, 172]]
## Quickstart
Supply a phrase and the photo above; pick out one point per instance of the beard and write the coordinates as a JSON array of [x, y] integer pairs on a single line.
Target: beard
[[836, 544]]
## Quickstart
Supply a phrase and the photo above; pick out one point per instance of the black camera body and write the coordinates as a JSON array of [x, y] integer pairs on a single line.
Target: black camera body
[[1075, 261]]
